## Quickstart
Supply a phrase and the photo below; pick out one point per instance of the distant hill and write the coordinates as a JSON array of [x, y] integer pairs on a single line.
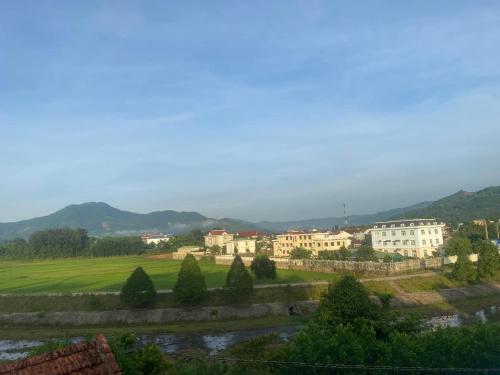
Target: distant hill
[[101, 219], [330, 222], [461, 206]]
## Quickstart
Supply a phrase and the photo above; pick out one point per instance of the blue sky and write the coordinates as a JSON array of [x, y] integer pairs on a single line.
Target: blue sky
[[261, 110]]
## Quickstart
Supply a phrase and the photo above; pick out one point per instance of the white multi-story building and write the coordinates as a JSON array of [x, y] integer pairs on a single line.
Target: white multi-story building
[[244, 245], [416, 238]]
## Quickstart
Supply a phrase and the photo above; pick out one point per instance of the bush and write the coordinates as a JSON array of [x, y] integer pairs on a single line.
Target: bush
[[190, 287], [132, 361], [300, 253], [366, 253], [488, 262], [263, 267], [463, 269], [238, 281], [458, 246], [138, 290]]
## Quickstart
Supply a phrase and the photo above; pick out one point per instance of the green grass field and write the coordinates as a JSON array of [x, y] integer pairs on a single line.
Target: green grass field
[[109, 274]]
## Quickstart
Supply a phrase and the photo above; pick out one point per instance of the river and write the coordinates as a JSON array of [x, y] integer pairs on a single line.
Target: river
[[212, 343]]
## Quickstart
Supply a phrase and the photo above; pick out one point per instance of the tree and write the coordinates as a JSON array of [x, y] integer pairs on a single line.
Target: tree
[[263, 267], [345, 302], [190, 287], [138, 290], [215, 250], [300, 253], [238, 280], [344, 253], [458, 246], [365, 253], [488, 262], [463, 269]]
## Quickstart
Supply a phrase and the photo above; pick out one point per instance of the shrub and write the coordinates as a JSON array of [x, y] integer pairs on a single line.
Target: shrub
[[238, 280], [458, 246], [263, 267], [190, 287], [488, 262], [138, 290], [463, 269], [300, 253]]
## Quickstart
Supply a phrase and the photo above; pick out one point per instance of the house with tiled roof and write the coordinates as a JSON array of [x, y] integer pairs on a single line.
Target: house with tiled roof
[[218, 237], [90, 358]]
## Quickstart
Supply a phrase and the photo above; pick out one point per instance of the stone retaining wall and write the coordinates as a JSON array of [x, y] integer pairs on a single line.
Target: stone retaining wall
[[334, 266], [210, 313]]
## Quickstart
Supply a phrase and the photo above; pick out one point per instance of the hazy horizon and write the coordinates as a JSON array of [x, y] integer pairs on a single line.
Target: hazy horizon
[[258, 111]]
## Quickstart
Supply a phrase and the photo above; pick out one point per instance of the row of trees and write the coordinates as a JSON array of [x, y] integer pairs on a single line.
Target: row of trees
[[191, 289], [67, 242]]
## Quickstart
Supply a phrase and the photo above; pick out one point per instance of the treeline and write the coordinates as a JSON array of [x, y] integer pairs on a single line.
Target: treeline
[[67, 242]]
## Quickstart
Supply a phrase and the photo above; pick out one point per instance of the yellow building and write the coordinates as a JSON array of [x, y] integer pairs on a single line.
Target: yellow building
[[218, 237], [313, 240]]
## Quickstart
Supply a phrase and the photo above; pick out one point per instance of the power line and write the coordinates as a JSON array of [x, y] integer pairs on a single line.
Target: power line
[[357, 367]]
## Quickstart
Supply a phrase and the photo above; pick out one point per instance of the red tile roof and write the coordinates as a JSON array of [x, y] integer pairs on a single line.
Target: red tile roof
[[217, 232], [89, 358], [249, 233]]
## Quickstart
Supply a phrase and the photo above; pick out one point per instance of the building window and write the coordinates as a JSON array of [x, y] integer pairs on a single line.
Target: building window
[[414, 253], [412, 242], [412, 225], [412, 232], [308, 237], [393, 225], [424, 242], [402, 225], [437, 240], [422, 231], [383, 234], [403, 233], [383, 226], [430, 241], [436, 231], [405, 242], [393, 232]]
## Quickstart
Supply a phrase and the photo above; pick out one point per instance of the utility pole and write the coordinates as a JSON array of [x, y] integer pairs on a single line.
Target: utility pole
[[345, 217]]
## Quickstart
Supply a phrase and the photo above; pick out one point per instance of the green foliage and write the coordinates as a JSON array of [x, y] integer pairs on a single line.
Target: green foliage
[[47, 347], [215, 250], [138, 290], [190, 288], [238, 281], [300, 253], [345, 302], [387, 258], [458, 246], [193, 238], [366, 253], [463, 269], [138, 361], [64, 242], [489, 260], [263, 267], [113, 246], [342, 254]]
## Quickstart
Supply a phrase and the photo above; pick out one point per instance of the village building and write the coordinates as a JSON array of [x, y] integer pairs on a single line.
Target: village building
[[154, 238], [313, 240], [218, 237], [245, 245], [417, 238]]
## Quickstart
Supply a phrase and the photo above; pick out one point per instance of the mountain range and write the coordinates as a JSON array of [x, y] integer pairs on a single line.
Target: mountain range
[[101, 219]]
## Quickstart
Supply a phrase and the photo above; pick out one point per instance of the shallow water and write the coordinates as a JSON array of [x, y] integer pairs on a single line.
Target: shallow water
[[216, 342], [169, 343]]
